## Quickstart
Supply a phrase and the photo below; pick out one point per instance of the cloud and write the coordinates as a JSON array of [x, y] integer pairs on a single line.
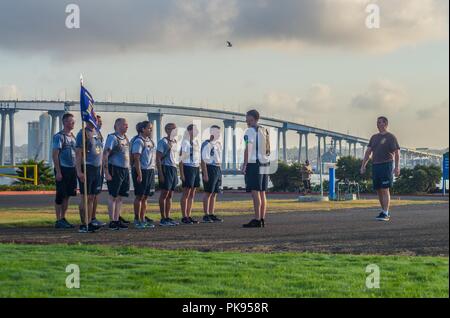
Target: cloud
[[9, 92], [381, 96], [116, 26], [298, 107], [440, 110]]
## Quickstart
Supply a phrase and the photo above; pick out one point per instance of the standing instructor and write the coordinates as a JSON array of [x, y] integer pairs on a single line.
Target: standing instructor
[[386, 151]]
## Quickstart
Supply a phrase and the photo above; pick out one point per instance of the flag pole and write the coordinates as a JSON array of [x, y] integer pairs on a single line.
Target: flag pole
[[85, 197]]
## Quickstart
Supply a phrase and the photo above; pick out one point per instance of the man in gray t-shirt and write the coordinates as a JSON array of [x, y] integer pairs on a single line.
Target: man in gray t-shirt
[[116, 163], [63, 155], [386, 152]]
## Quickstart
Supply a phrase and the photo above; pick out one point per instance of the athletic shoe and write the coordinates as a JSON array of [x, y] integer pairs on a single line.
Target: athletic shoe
[[136, 223], [215, 218], [186, 221], [252, 224], [86, 229], [60, 224], [175, 223], [165, 222], [68, 225], [383, 217], [123, 221], [94, 227], [148, 220], [114, 226], [149, 225], [207, 219], [194, 221], [96, 222], [139, 225], [122, 226]]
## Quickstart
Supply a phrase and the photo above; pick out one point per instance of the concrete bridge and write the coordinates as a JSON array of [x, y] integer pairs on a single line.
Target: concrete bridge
[[155, 113]]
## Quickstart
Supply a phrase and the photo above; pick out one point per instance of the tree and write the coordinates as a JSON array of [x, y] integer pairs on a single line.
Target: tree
[[420, 179], [45, 173], [287, 177], [349, 169]]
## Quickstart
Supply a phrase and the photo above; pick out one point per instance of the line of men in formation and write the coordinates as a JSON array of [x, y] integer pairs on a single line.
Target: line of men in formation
[[113, 158]]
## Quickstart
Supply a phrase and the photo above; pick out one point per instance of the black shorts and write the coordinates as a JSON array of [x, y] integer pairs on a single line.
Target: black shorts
[[383, 175], [254, 179], [93, 176], [191, 177], [120, 183], [147, 186], [214, 179], [170, 178], [100, 181], [67, 187]]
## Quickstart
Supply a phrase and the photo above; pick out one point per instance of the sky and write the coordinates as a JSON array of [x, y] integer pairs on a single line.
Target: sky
[[310, 61]]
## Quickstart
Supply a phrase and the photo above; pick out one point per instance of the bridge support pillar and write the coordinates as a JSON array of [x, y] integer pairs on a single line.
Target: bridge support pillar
[[300, 146], [354, 150], [156, 120], [12, 141], [306, 147], [324, 144], [284, 145], [340, 147], [319, 154], [2, 137]]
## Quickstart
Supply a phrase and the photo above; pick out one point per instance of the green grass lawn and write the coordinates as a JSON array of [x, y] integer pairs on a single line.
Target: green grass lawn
[[20, 217], [39, 271]]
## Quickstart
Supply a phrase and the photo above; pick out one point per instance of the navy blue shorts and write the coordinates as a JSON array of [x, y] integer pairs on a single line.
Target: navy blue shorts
[[170, 178], [93, 175], [214, 179], [191, 177], [147, 186], [120, 183], [254, 179], [383, 175]]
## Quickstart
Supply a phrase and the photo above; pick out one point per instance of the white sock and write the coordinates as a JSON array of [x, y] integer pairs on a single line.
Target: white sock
[[386, 212]]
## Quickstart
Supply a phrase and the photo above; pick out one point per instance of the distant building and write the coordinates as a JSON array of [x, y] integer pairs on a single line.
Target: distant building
[[33, 139], [44, 137]]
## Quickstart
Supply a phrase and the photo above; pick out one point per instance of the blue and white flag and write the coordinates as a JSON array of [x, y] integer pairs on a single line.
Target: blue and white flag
[[87, 107]]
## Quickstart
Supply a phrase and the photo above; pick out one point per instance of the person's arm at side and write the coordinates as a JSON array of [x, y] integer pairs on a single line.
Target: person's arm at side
[[137, 166], [106, 153], [55, 157], [78, 160], [244, 165], [181, 165], [366, 160], [159, 166], [397, 163], [204, 171]]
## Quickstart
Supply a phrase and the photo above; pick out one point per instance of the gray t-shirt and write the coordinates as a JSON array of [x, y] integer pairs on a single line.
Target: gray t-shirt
[[94, 145], [168, 149], [120, 150], [146, 148], [384, 147], [66, 146]]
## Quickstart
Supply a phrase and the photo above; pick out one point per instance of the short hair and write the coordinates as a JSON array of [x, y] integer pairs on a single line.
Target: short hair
[[98, 116], [190, 127], [383, 118], [141, 126], [168, 126], [215, 127], [118, 121], [66, 116], [253, 113]]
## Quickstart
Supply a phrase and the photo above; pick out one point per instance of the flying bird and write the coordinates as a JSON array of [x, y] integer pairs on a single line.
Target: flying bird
[[229, 44]]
